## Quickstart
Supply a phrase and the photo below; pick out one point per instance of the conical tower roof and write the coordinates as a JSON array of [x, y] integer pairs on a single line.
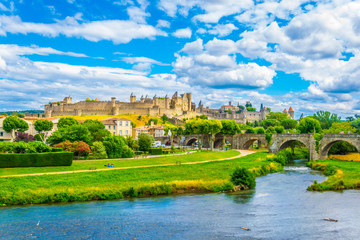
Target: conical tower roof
[[290, 109]]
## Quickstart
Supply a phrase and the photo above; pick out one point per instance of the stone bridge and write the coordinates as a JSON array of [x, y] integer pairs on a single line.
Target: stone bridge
[[278, 142], [281, 141]]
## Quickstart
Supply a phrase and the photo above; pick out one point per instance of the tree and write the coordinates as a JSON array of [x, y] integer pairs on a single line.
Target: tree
[[309, 125], [97, 130], [145, 140], [67, 122], [278, 116], [356, 124], [259, 130], [250, 131], [43, 127], [339, 127], [229, 128], [279, 129], [248, 104], [215, 127], [171, 131], [114, 145], [197, 127], [251, 109], [269, 123], [24, 137], [241, 107], [350, 119], [164, 118], [73, 133], [289, 123], [326, 119], [18, 114], [11, 124]]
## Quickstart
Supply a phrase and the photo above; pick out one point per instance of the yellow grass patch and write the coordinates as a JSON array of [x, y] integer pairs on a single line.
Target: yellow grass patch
[[348, 157]]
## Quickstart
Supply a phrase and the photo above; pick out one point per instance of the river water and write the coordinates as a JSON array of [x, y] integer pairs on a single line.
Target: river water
[[279, 208]]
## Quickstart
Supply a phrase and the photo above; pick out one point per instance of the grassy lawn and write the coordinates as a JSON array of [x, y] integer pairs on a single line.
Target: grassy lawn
[[99, 164], [205, 177], [342, 175]]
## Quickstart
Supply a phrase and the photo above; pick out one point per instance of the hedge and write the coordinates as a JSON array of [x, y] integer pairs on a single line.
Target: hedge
[[8, 160], [54, 149], [156, 151]]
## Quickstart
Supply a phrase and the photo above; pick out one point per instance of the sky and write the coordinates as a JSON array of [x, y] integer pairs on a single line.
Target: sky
[[304, 54]]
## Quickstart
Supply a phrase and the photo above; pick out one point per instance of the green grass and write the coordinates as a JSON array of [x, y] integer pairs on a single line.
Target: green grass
[[205, 177], [99, 164], [342, 175]]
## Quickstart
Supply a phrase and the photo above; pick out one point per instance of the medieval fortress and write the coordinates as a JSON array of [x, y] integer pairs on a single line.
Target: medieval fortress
[[179, 106]]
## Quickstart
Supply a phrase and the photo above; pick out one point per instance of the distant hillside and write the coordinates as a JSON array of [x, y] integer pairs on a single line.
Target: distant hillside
[[25, 111]]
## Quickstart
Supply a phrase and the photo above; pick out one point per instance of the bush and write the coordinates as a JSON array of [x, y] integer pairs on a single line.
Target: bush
[[250, 131], [80, 149], [22, 147], [40, 147], [259, 130], [145, 140], [35, 159], [127, 152], [24, 137], [98, 150], [243, 177], [114, 146], [279, 129], [156, 151]]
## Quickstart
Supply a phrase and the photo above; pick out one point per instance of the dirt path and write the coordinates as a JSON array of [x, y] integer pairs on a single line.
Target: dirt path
[[243, 154]]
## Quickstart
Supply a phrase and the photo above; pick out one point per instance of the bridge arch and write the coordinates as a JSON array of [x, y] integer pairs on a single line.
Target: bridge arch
[[326, 146], [287, 143], [249, 143], [191, 141]]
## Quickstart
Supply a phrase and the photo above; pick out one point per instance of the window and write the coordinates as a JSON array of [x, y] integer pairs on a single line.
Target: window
[[120, 123], [127, 123], [1, 134], [114, 127], [126, 132], [109, 127], [120, 132]]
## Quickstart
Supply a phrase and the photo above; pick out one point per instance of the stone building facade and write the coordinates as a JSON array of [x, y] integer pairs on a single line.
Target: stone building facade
[[177, 105]]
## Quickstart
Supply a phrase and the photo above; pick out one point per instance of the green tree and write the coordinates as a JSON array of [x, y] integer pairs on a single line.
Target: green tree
[[250, 131], [356, 124], [326, 119], [229, 128], [338, 127], [145, 140], [215, 127], [278, 116], [11, 124], [309, 125], [97, 130], [251, 109], [171, 131], [98, 150], [164, 118], [289, 123], [73, 133], [67, 122], [114, 145], [243, 177], [269, 123], [43, 127], [350, 119], [279, 129], [259, 130]]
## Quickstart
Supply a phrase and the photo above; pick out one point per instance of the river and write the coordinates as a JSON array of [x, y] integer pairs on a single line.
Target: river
[[279, 208]]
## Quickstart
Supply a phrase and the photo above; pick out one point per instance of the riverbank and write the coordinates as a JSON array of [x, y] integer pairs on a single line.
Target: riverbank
[[123, 183], [341, 175]]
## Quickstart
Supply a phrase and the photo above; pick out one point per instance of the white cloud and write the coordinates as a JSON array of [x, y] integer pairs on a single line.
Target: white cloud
[[163, 24], [133, 60], [118, 31], [223, 30], [183, 33]]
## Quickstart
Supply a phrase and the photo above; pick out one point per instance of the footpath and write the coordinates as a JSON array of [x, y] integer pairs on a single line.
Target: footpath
[[243, 154]]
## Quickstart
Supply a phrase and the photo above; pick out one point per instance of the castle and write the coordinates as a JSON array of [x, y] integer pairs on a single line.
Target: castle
[[177, 105]]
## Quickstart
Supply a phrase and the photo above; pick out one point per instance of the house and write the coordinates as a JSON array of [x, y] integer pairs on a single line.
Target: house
[[118, 126], [4, 136], [138, 130], [157, 131]]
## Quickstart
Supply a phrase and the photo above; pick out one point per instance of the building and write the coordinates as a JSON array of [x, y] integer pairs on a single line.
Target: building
[[118, 126], [4, 136], [177, 105], [157, 131]]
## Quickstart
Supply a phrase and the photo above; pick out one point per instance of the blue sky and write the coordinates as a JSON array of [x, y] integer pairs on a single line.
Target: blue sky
[[298, 53]]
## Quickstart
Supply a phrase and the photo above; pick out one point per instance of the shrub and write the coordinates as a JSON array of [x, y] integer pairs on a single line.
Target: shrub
[[114, 146], [250, 131], [145, 140], [22, 147], [98, 150], [242, 176], [54, 149], [127, 152], [24, 137], [279, 129], [156, 151], [40, 147], [80, 149], [35, 159], [259, 130]]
